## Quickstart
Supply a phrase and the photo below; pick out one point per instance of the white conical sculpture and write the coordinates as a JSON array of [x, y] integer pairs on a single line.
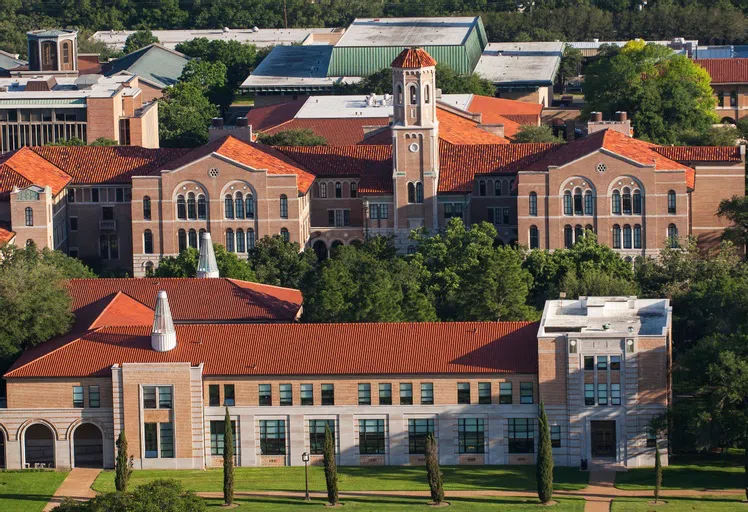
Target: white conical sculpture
[[163, 335], [206, 265]]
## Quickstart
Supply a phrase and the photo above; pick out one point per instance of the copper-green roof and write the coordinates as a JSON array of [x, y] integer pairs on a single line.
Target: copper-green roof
[[154, 64]]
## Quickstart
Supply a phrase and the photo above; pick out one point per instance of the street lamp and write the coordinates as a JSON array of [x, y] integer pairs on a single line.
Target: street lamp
[[305, 458]]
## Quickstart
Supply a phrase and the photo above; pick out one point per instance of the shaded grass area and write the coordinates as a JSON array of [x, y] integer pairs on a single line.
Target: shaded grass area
[[692, 504], [723, 471], [358, 478], [372, 504], [28, 491]]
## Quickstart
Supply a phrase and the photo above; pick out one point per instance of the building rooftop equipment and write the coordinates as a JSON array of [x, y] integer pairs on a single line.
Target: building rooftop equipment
[[520, 64]]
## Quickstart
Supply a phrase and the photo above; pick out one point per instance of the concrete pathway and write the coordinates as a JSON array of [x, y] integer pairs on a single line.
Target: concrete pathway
[[77, 485], [598, 494]]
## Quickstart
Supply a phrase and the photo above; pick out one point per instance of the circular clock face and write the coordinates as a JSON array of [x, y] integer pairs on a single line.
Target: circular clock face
[[413, 147]]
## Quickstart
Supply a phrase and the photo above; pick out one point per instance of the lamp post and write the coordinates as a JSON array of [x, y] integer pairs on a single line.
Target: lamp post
[[305, 458]]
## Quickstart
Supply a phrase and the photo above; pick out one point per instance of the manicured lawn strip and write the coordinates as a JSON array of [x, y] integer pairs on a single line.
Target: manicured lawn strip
[[352, 478], [28, 491], [692, 472], [377, 504], [691, 504]]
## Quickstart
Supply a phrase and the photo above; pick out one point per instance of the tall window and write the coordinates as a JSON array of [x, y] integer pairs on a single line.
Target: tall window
[[286, 394], [306, 394], [413, 93], [265, 394], [273, 437], [616, 236], [534, 237], [371, 437], [29, 216], [124, 132], [148, 242], [228, 207], [192, 238], [354, 189], [419, 192], [505, 393], [317, 435], [202, 207], [567, 203], [426, 94], [146, 208], [214, 395], [78, 396], [191, 206], [230, 240], [385, 393], [637, 237], [578, 232], [338, 190], [283, 206], [463, 392], [521, 435], [240, 240], [94, 396], [406, 393], [578, 203], [182, 239], [217, 433], [589, 394], [418, 430], [525, 393], [427, 393], [249, 202], [589, 203], [533, 204], [167, 440], [364, 394], [181, 207], [285, 235], [484, 392], [328, 394], [616, 200], [555, 436], [470, 435], [627, 237], [672, 235], [637, 202], [482, 188], [568, 237], [150, 435], [250, 239], [399, 94], [239, 205], [626, 201], [671, 204], [411, 193], [615, 394], [497, 191], [108, 247], [323, 190]]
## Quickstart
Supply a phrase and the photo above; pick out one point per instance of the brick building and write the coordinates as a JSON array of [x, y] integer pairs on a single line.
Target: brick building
[[730, 85]]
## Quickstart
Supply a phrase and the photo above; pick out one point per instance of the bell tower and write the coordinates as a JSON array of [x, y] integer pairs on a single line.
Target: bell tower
[[415, 143]]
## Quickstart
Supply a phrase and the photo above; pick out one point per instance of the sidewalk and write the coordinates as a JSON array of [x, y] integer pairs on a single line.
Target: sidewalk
[[77, 485]]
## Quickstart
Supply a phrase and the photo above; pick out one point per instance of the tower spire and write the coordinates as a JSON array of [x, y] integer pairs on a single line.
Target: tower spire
[[163, 334], [206, 265]]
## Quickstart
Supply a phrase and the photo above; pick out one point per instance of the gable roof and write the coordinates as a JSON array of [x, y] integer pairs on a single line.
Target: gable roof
[[298, 349], [726, 71], [411, 58], [154, 64], [696, 154], [269, 116], [6, 235], [122, 310], [24, 167]]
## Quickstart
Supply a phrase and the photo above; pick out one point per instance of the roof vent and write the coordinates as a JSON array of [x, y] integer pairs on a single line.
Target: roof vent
[[163, 335], [206, 265]]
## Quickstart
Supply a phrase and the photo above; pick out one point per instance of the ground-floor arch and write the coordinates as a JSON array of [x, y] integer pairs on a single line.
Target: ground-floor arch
[[39, 446], [320, 249], [88, 446]]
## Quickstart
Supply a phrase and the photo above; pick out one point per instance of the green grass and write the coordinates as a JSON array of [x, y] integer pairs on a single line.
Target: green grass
[[695, 504], [400, 503], [382, 478], [689, 472], [28, 491]]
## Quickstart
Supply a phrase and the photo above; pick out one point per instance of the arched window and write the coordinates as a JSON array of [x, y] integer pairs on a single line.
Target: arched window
[[427, 94], [146, 208], [419, 192], [191, 210], [240, 241], [71, 195], [181, 207], [192, 235], [568, 237], [239, 205], [29, 216], [534, 237], [616, 236], [671, 205], [589, 228], [147, 242], [578, 232], [637, 202], [616, 200], [482, 188], [202, 207], [399, 94], [228, 207], [578, 207], [66, 52], [567, 203], [413, 95], [533, 204], [230, 240], [338, 190], [627, 237], [589, 203], [182, 239], [354, 189], [283, 206], [672, 235], [250, 239], [411, 193], [148, 269], [249, 201], [285, 235], [200, 238], [626, 201], [637, 237], [497, 188]]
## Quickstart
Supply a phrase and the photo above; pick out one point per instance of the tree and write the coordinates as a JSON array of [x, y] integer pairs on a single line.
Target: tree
[[163, 495], [296, 137], [742, 127], [434, 474], [534, 133], [123, 464], [103, 141], [331, 472], [73, 141], [185, 264], [280, 263], [184, 114], [544, 464], [571, 64], [724, 135], [735, 210], [228, 460], [139, 39], [210, 77]]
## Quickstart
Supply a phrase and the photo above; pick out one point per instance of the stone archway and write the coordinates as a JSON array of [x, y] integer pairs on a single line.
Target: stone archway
[[39, 446], [320, 249], [88, 446]]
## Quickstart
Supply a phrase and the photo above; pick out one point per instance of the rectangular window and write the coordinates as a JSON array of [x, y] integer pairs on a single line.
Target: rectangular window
[[589, 394], [149, 397], [167, 440], [406, 394], [525, 393], [272, 437], [164, 397], [306, 394], [374, 211], [505, 393], [317, 435], [328, 394], [385, 394], [120, 195], [331, 218], [371, 437], [94, 396], [286, 394], [484, 392], [214, 395], [384, 211], [228, 395], [418, 430], [615, 394], [217, 432], [602, 363], [651, 440], [555, 436], [94, 195], [124, 132], [73, 223], [615, 362], [521, 435], [427, 393], [78, 396], [463, 392], [364, 394], [589, 363], [150, 436], [470, 435], [602, 394], [265, 394], [505, 216]]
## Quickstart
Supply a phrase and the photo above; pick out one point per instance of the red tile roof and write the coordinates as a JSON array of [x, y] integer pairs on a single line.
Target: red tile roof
[[337, 132], [413, 58], [24, 167], [123, 310], [726, 71], [686, 154], [512, 114], [299, 349], [6, 235], [263, 118], [456, 129]]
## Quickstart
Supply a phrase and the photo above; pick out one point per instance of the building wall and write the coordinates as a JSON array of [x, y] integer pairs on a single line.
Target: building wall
[[728, 111], [43, 205], [714, 184], [103, 117]]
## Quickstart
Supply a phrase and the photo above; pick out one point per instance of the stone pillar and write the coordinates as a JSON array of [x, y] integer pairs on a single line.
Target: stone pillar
[[496, 443], [247, 441], [398, 440], [447, 439], [348, 454], [297, 433]]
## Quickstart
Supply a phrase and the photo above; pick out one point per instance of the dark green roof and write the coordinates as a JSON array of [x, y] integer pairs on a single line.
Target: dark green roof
[[154, 64]]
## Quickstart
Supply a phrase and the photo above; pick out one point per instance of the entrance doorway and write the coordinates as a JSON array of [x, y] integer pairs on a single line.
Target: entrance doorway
[[39, 446], [603, 439], [88, 446]]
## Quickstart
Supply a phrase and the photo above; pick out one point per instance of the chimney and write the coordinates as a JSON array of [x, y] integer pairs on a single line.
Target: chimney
[[217, 122], [596, 117], [621, 116], [242, 121], [163, 335], [206, 265]]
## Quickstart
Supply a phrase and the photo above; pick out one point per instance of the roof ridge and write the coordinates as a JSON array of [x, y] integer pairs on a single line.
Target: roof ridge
[[277, 287], [115, 296], [54, 350]]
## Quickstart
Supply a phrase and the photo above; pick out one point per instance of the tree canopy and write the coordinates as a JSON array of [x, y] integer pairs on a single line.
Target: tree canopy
[[280, 263], [533, 133], [139, 39], [210, 77], [184, 115], [185, 264]]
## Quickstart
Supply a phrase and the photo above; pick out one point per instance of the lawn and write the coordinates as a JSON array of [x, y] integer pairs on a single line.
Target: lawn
[[28, 491], [689, 472], [695, 504], [381, 504], [358, 478]]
